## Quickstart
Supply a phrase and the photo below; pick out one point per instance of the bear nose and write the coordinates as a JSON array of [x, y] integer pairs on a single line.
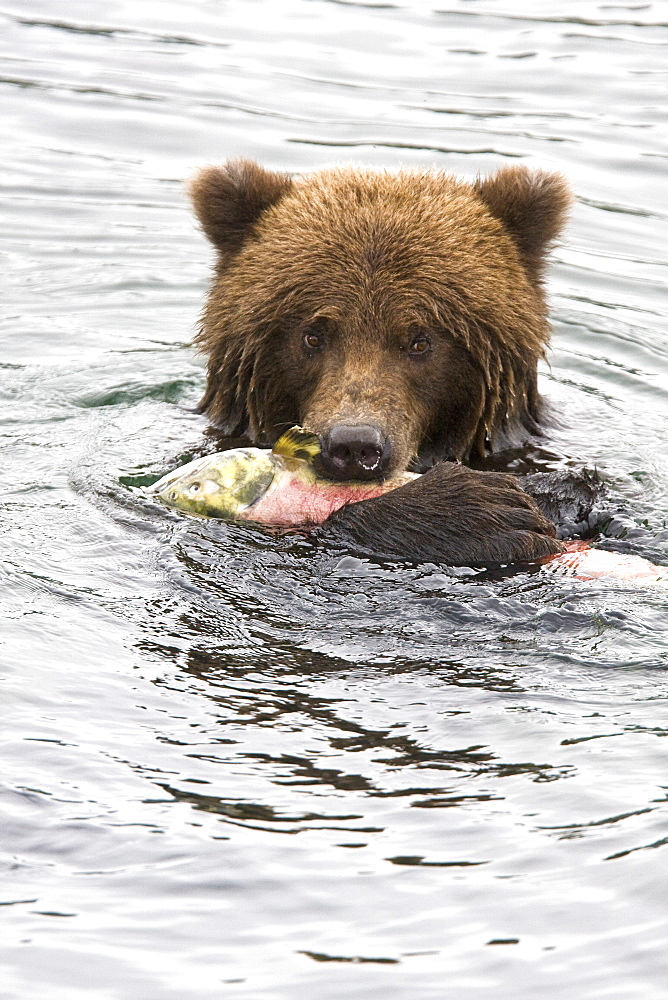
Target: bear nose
[[355, 451]]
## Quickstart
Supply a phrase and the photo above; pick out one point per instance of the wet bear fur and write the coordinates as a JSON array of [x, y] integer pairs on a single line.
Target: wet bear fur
[[410, 302]]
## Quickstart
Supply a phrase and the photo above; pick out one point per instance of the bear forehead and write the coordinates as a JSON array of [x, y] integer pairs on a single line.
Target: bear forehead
[[354, 206], [410, 239]]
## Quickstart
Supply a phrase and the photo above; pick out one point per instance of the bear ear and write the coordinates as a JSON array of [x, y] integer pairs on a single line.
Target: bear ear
[[229, 200], [532, 205]]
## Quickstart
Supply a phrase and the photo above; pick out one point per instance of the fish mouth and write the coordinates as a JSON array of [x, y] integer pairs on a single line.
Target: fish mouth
[[160, 486]]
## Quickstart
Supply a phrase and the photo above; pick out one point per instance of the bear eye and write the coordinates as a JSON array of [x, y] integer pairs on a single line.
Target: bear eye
[[313, 341], [420, 344]]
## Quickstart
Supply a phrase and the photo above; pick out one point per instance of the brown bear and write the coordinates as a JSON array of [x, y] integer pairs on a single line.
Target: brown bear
[[400, 317]]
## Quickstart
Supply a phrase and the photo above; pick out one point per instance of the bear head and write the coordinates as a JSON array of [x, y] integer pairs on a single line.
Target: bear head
[[398, 316]]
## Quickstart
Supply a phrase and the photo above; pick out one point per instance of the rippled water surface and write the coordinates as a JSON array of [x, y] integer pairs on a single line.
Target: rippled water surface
[[235, 767]]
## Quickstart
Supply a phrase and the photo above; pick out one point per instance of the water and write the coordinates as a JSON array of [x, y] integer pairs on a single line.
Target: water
[[235, 767]]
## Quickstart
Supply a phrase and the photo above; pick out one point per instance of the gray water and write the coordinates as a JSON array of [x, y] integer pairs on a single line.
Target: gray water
[[236, 767]]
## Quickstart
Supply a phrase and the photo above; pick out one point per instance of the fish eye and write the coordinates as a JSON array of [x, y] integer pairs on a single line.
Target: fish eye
[[172, 495], [194, 487], [420, 345]]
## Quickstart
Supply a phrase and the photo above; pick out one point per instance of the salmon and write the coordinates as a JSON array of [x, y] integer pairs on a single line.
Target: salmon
[[279, 487]]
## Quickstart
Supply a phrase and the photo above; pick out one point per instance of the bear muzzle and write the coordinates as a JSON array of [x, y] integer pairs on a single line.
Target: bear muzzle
[[358, 452]]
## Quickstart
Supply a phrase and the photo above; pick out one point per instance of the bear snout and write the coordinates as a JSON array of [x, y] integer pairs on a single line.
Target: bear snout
[[355, 452]]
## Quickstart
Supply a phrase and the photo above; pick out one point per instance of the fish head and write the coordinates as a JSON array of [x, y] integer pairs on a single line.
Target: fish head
[[220, 485]]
